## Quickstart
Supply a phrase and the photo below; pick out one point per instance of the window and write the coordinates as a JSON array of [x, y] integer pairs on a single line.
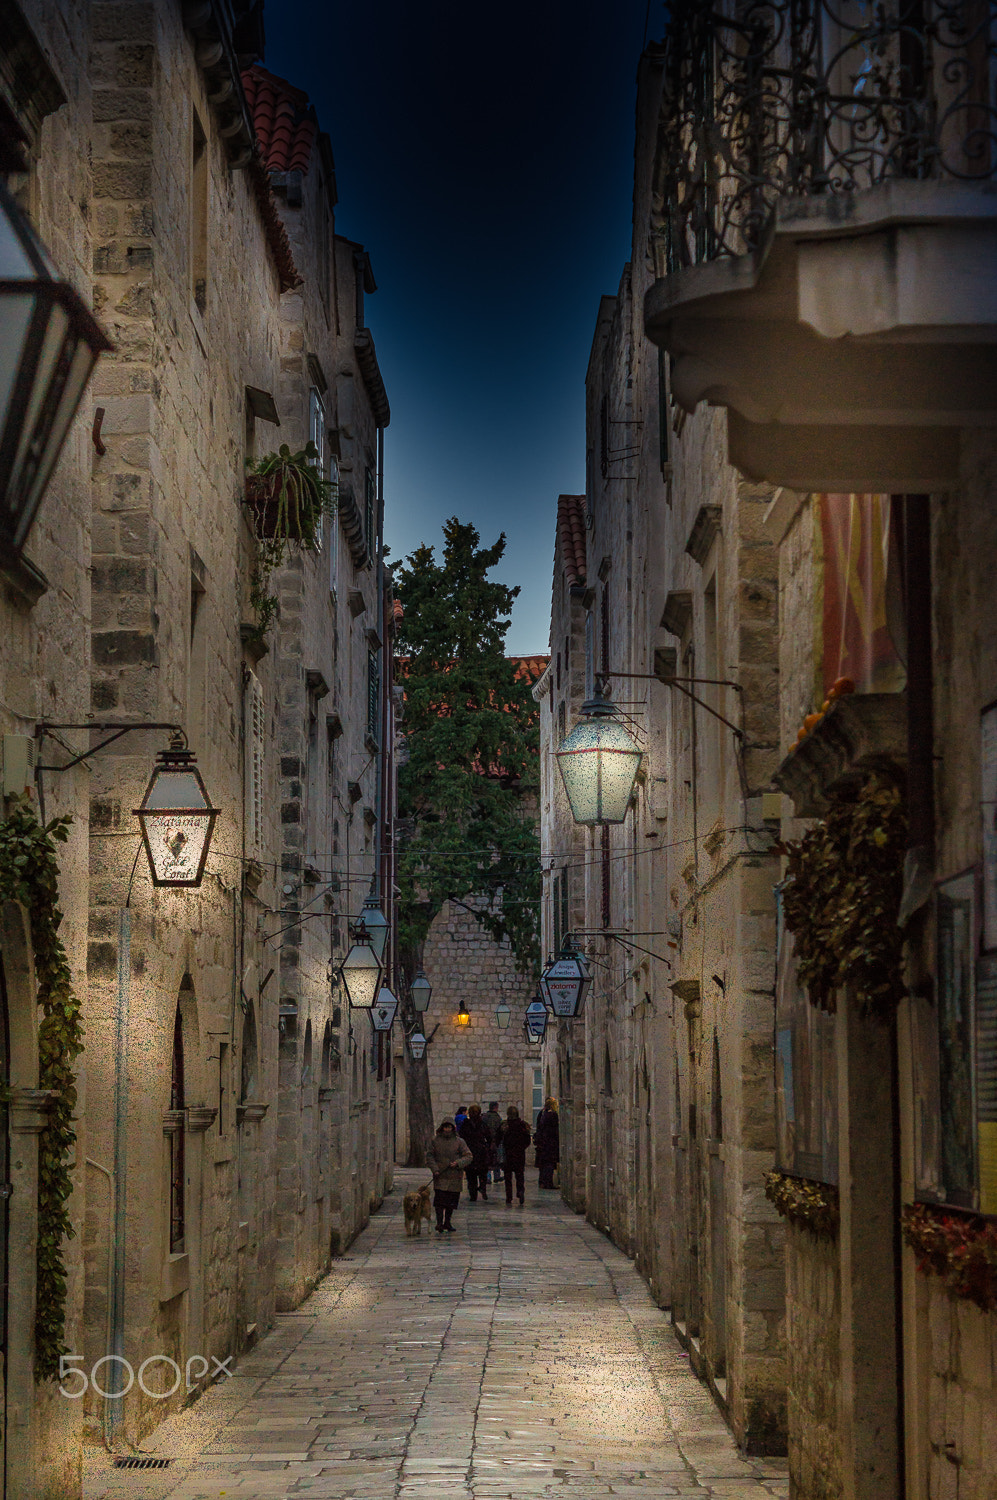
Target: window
[[589, 654], [177, 1185], [334, 529], [368, 518], [317, 436], [373, 694], [198, 216], [806, 1073], [253, 722], [556, 911], [604, 627], [604, 436], [565, 911]]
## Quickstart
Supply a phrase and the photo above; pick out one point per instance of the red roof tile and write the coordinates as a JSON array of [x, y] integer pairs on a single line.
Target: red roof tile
[[284, 121], [529, 668], [571, 536]]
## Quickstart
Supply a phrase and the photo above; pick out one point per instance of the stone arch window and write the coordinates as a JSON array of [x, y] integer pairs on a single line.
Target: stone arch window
[[306, 1060], [716, 1097], [177, 1104], [607, 1073], [250, 1056]]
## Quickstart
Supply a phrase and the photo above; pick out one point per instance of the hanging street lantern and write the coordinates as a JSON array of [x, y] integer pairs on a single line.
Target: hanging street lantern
[[535, 1020], [376, 923], [503, 1015], [176, 818], [598, 763], [462, 1018], [383, 1010], [50, 342], [420, 991], [417, 1045], [565, 982], [361, 971]]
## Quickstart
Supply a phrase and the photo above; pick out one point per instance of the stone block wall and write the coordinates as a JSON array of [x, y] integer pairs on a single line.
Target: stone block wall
[[813, 1320], [476, 1063]]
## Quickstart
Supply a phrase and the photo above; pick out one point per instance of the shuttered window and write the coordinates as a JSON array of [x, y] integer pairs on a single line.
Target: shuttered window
[[253, 722], [369, 511], [373, 694]]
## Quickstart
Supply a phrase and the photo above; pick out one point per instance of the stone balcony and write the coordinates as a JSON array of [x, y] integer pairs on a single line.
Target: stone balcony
[[856, 735]]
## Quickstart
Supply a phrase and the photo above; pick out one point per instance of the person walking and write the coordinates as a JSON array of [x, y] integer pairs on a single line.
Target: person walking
[[475, 1136], [493, 1124], [446, 1159], [460, 1115], [515, 1142], [547, 1139]]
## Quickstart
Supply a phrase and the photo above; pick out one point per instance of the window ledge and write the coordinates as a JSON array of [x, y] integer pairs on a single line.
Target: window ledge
[[175, 1277]]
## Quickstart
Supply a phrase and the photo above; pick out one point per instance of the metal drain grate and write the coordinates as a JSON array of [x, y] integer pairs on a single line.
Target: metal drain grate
[[141, 1463]]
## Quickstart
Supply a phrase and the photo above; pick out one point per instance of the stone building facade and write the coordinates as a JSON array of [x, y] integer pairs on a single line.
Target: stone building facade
[[234, 1128], [820, 538]]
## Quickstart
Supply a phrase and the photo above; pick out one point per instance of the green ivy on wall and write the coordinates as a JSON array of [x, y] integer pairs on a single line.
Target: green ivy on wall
[[842, 896], [811, 1205], [29, 874]]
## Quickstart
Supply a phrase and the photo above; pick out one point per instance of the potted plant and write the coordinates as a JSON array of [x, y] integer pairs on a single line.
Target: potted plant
[[287, 497]]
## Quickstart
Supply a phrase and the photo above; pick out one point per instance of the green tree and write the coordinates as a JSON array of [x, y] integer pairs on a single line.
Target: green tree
[[467, 795]]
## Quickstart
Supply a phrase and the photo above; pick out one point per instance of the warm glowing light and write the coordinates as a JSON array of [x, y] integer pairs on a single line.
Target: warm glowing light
[[598, 763], [462, 1018]]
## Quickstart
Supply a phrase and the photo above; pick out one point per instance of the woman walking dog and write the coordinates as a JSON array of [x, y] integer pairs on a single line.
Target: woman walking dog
[[447, 1158]]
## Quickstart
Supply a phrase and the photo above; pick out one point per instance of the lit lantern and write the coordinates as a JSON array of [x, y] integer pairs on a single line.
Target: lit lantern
[[599, 763], [361, 971], [376, 923], [420, 991], [383, 1010], [565, 982], [462, 1018], [176, 818], [503, 1015], [50, 342], [535, 1020], [417, 1045]]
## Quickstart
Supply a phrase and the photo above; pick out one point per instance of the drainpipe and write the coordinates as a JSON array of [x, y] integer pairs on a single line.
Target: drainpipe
[[114, 1405], [379, 795]]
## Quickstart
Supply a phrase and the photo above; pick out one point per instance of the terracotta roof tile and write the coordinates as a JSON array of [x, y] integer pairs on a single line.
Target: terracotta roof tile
[[284, 121], [529, 668], [571, 536]]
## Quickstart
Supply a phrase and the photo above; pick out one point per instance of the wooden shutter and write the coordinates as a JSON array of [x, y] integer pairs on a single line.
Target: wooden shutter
[[253, 772]]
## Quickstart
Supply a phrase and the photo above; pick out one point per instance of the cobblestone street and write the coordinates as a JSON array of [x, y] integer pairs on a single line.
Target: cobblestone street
[[520, 1357]]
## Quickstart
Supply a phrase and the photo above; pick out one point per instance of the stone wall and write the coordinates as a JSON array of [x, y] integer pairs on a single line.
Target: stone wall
[[813, 1314], [476, 1063]]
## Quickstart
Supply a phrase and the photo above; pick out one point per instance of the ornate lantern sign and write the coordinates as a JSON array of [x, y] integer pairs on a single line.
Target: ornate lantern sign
[[503, 1015], [50, 342], [361, 971], [417, 1045], [383, 1010], [376, 923], [565, 982], [535, 1020], [176, 818], [463, 1016], [598, 763], [420, 991]]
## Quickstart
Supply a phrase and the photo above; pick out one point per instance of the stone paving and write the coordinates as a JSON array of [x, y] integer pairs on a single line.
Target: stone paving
[[520, 1358]]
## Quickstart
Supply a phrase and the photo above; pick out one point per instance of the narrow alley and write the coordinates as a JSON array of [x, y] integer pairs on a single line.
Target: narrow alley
[[522, 1357]]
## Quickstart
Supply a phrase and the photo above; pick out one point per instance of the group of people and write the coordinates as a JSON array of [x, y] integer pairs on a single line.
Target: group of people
[[484, 1147]]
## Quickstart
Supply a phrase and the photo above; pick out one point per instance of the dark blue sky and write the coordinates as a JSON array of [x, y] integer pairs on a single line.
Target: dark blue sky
[[484, 155]]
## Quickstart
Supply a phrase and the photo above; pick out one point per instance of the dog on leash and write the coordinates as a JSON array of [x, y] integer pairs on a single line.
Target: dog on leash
[[416, 1207]]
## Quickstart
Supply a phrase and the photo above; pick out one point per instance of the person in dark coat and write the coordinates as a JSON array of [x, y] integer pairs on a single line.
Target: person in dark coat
[[547, 1139], [446, 1159], [515, 1139], [474, 1134], [493, 1124]]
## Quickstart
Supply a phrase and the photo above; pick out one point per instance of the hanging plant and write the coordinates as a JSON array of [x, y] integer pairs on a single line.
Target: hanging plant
[[960, 1248], [842, 896], [811, 1205], [288, 500], [29, 874]]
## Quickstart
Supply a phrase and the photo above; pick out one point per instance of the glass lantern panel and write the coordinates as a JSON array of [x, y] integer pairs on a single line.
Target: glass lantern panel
[[176, 844], [15, 316], [361, 975], [175, 789], [79, 368], [599, 763]]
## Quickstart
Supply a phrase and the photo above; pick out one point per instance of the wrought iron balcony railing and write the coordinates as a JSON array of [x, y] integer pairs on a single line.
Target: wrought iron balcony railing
[[769, 99]]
